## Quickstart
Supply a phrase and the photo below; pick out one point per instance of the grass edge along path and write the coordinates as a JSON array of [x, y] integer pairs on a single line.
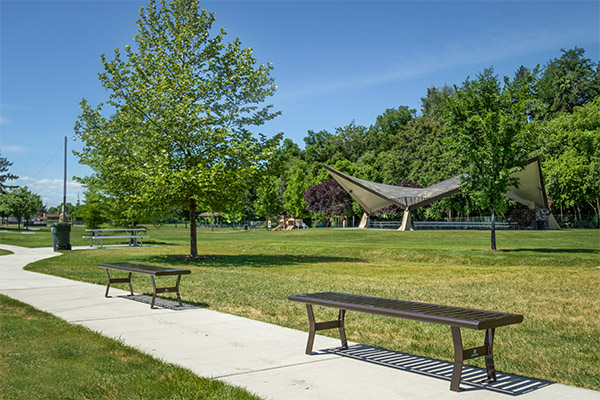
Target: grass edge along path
[[44, 357]]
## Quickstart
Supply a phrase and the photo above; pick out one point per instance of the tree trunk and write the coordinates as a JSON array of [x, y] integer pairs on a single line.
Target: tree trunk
[[593, 206], [562, 218], [598, 212], [493, 229], [193, 242]]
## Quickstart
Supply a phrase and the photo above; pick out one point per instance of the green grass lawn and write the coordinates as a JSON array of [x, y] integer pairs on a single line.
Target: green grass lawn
[[44, 357], [39, 236], [548, 276]]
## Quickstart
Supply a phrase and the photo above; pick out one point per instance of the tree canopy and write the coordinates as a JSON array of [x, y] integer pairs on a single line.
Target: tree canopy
[[570, 81], [328, 198], [5, 176], [486, 124], [21, 203], [549, 111], [519, 117], [182, 102]]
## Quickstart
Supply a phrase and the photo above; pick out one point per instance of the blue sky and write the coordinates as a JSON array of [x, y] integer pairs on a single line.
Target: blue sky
[[335, 61]]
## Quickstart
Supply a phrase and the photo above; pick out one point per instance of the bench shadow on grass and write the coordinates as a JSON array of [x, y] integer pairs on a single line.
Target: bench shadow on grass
[[166, 303], [472, 377], [251, 260]]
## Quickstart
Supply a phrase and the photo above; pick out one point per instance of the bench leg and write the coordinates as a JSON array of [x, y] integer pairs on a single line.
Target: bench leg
[[460, 355], [130, 288], [117, 280], [458, 359], [311, 329], [489, 358], [319, 326], [177, 288], [341, 318], [107, 283], [153, 291], [156, 290]]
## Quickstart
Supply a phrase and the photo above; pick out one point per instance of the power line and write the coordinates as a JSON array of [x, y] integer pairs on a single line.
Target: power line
[[49, 161]]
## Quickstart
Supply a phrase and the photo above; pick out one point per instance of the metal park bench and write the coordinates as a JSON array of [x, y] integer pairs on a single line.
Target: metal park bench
[[132, 234], [458, 225], [455, 317], [441, 225], [151, 270]]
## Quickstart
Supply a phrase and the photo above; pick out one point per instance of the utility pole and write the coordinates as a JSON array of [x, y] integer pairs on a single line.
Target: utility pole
[[64, 205]]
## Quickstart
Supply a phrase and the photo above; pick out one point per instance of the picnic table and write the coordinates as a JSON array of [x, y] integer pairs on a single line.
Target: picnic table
[[455, 317], [152, 270], [133, 234]]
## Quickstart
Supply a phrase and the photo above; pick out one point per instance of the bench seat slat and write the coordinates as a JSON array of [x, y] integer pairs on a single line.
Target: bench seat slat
[[446, 315], [146, 269], [115, 237], [152, 270]]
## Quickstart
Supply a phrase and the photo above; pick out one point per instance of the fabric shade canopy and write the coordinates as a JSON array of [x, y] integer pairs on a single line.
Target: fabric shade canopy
[[531, 191], [209, 214], [373, 196]]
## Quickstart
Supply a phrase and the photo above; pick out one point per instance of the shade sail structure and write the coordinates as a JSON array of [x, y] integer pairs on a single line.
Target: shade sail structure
[[531, 191], [209, 214], [373, 196]]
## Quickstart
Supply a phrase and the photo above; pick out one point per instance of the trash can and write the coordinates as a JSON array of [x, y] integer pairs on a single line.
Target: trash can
[[61, 236]]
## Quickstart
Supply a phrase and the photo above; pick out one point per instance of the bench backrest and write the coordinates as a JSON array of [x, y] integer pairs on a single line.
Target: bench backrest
[[446, 315]]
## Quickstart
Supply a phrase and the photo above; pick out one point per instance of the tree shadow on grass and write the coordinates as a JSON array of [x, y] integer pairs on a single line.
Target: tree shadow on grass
[[161, 243], [251, 260], [542, 250]]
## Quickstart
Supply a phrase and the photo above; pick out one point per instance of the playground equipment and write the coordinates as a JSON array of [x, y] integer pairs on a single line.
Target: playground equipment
[[290, 222]]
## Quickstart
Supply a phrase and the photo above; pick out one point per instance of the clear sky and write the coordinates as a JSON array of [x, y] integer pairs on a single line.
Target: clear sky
[[335, 61]]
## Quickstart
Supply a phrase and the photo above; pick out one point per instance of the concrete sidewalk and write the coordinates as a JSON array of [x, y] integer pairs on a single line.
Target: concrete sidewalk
[[266, 359]]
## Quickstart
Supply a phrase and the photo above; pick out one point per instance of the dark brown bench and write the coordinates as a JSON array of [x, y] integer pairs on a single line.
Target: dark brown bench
[[455, 317], [151, 270]]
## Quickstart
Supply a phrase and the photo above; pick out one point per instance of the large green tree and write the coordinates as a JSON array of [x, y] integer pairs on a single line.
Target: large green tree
[[268, 203], [22, 204], [570, 144], [96, 209], [486, 124], [567, 82], [5, 175], [183, 101], [298, 179]]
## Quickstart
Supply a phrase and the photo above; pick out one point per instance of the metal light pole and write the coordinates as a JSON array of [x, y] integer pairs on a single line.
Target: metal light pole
[[61, 231], [64, 205]]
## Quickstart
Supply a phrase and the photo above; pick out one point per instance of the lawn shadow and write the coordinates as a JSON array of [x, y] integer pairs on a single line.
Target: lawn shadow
[[160, 242], [472, 377], [539, 250], [251, 260], [167, 303]]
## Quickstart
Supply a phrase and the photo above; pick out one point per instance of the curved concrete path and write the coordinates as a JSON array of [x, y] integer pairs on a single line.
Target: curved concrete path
[[266, 359]]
